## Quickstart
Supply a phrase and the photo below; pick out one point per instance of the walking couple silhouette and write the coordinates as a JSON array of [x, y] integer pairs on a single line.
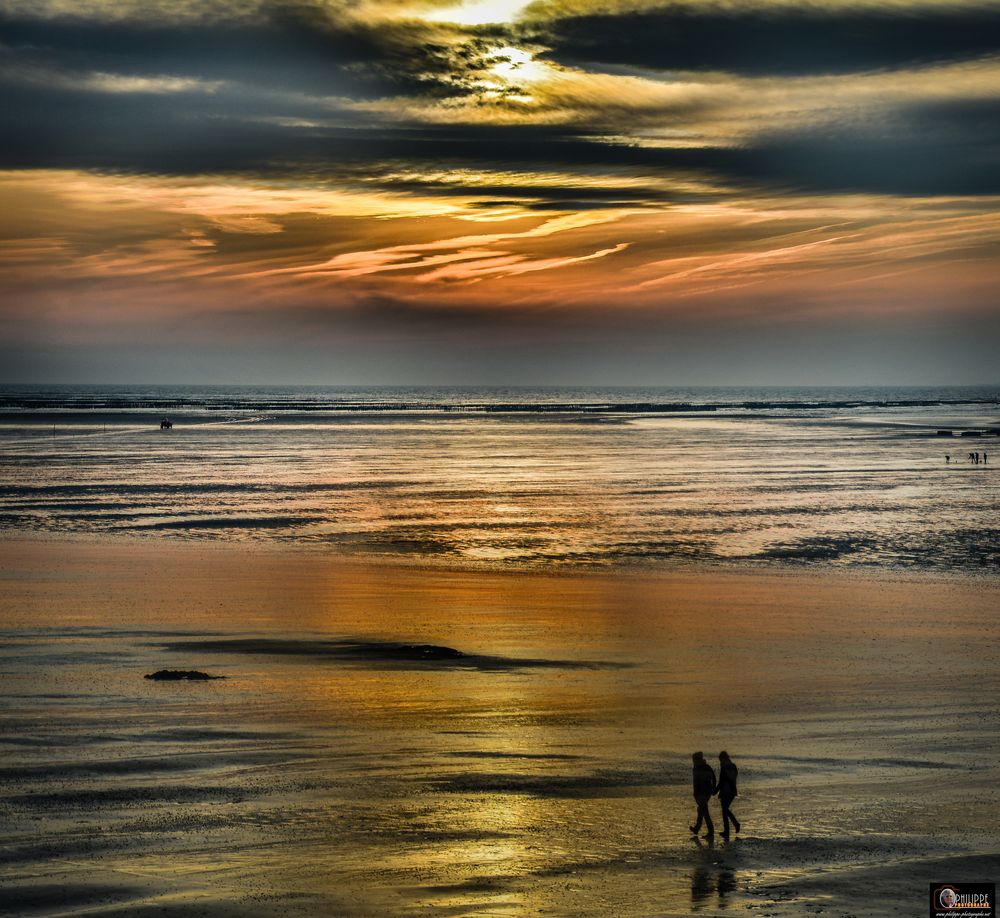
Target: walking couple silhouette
[[705, 787]]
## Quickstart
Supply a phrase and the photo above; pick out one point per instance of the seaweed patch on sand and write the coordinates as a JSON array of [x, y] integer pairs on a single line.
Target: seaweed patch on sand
[[181, 675]]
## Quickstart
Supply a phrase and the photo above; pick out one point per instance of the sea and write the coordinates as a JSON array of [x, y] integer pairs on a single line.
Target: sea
[[463, 643], [519, 476]]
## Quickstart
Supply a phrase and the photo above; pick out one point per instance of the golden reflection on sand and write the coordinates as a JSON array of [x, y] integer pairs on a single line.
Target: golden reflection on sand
[[511, 779]]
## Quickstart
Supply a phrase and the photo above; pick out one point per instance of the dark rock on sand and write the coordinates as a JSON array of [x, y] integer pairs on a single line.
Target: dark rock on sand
[[176, 675]]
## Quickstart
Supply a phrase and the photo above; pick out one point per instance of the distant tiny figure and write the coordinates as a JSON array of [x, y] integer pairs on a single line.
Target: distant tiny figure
[[984, 458], [728, 773], [947, 458], [704, 787]]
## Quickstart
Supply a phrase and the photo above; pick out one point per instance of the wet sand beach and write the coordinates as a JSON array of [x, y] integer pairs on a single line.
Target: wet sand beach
[[777, 477], [408, 740]]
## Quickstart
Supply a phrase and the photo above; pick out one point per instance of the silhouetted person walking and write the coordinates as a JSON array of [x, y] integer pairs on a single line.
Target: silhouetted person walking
[[728, 772], [704, 787]]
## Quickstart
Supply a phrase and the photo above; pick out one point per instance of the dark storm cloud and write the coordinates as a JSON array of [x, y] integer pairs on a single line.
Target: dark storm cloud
[[760, 40], [254, 98], [929, 149], [189, 133], [214, 96], [294, 48], [171, 133]]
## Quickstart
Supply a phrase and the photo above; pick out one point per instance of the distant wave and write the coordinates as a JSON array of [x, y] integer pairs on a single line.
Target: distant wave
[[10, 402], [597, 400]]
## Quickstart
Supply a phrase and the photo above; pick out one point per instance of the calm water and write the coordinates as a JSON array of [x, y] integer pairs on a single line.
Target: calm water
[[518, 476]]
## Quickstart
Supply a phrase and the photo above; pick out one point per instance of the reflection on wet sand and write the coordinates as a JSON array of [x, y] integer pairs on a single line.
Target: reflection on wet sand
[[713, 881], [771, 485], [334, 777]]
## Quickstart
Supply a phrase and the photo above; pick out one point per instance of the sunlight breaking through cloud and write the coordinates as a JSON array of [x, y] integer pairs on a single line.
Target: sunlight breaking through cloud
[[668, 165]]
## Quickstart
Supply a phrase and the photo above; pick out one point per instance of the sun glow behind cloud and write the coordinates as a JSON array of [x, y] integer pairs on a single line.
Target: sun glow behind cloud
[[517, 65], [388, 161], [479, 12]]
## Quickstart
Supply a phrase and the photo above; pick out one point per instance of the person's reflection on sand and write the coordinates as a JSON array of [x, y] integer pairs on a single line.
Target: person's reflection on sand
[[701, 885], [710, 875], [726, 885]]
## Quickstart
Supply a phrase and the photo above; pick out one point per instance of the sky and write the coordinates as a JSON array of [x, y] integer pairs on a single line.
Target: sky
[[493, 191]]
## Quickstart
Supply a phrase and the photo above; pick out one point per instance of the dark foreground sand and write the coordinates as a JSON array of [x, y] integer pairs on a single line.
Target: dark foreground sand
[[538, 765]]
